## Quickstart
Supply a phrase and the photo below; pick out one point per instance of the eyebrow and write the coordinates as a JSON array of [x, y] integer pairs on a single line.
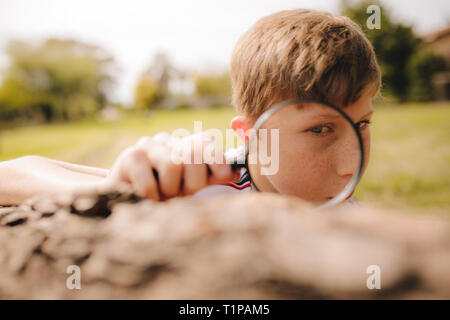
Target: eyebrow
[[326, 114], [338, 115], [368, 114]]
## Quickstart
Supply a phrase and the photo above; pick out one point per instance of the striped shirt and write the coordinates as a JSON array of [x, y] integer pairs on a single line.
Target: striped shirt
[[243, 186]]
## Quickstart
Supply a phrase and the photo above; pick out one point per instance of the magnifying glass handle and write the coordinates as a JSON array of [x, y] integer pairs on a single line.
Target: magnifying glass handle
[[237, 165]]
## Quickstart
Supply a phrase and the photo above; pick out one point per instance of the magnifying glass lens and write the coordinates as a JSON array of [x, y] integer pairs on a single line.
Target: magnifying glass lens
[[306, 149]]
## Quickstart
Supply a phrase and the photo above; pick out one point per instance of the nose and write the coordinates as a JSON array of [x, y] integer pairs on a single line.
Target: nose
[[348, 157]]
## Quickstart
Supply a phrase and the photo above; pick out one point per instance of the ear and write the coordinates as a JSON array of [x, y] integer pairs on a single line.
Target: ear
[[242, 127]]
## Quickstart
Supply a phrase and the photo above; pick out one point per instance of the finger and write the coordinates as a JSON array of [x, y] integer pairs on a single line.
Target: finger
[[137, 170], [195, 177], [163, 138], [169, 172], [195, 171], [222, 173], [144, 142], [169, 175]]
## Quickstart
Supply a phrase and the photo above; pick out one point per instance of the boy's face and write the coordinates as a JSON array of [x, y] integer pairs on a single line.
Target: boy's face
[[313, 166]]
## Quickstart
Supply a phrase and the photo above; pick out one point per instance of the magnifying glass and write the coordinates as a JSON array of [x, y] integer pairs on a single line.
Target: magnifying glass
[[307, 148]]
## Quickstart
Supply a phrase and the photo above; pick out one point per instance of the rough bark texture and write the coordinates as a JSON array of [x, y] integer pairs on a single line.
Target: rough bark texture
[[228, 247]]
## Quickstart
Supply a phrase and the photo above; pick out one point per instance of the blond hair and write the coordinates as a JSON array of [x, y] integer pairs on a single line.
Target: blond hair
[[302, 54]]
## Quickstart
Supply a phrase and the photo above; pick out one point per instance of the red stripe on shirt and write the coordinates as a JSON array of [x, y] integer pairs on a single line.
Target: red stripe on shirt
[[246, 185]]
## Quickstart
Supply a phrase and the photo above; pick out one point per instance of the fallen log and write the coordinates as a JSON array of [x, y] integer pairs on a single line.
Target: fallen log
[[255, 246]]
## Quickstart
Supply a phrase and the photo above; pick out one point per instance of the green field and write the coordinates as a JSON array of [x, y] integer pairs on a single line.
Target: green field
[[409, 165]]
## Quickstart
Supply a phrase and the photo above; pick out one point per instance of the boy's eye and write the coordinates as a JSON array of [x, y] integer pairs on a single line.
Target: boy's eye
[[322, 129], [362, 124]]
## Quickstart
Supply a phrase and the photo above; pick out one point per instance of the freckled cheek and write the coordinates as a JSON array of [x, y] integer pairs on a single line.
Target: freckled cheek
[[301, 173]]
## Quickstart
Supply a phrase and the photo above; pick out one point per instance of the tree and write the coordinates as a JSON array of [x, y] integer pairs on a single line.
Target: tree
[[423, 67], [62, 79], [152, 88], [213, 84], [146, 93], [394, 44]]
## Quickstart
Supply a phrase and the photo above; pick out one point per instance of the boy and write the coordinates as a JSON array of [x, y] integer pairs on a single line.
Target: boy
[[290, 54]]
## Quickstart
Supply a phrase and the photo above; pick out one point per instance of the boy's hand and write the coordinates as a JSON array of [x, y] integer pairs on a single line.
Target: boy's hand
[[149, 168]]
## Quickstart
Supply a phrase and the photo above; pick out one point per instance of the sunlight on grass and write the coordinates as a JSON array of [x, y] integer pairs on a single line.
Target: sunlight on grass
[[97, 143], [410, 158]]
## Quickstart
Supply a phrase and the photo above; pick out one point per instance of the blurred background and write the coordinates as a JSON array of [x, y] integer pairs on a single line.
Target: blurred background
[[81, 80]]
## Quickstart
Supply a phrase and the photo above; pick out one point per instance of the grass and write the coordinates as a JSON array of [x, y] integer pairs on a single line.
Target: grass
[[410, 159], [96, 143], [409, 165]]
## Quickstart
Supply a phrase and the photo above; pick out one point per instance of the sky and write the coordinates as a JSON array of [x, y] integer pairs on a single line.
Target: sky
[[196, 34]]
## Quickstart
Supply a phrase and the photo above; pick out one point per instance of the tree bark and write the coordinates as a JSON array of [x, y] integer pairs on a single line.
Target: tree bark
[[257, 246]]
